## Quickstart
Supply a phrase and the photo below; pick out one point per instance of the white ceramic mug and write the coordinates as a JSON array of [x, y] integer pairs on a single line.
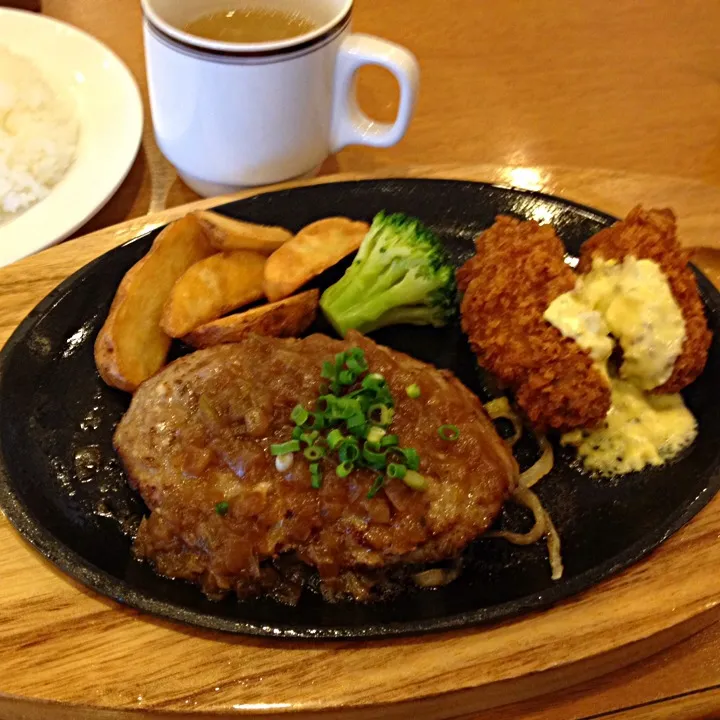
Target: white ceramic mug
[[230, 115]]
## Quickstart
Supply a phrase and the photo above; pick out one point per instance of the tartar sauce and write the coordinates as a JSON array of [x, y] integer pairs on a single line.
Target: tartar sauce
[[633, 302], [640, 429], [629, 302], [572, 316]]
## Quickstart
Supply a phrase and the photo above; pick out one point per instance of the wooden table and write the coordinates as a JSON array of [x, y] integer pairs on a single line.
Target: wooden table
[[524, 84], [628, 86]]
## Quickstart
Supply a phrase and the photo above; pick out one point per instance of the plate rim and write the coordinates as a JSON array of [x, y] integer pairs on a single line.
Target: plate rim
[[85, 572], [34, 222]]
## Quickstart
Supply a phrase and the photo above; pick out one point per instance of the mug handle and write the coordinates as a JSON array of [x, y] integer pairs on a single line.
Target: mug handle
[[350, 125]]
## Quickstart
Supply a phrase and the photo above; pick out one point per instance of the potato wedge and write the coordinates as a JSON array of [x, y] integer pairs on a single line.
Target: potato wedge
[[229, 234], [212, 287], [131, 345], [285, 318], [314, 249]]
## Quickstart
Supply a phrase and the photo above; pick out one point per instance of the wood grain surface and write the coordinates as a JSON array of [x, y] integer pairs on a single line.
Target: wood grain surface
[[628, 86], [68, 653]]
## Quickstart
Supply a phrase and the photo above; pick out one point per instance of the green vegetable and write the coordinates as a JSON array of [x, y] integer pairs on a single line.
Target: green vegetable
[[299, 415], [358, 365], [449, 432], [314, 452], [415, 481], [380, 414], [284, 448], [222, 507], [348, 426], [349, 451], [401, 274], [334, 439], [413, 391], [347, 377], [315, 476], [373, 458], [376, 434], [324, 404], [359, 431], [309, 438], [375, 487], [374, 382], [412, 459], [318, 420]]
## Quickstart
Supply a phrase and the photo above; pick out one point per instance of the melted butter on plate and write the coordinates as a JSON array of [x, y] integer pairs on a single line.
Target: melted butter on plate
[[629, 302]]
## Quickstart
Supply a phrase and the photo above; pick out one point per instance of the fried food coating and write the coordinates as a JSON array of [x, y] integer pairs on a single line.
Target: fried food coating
[[652, 235], [519, 269]]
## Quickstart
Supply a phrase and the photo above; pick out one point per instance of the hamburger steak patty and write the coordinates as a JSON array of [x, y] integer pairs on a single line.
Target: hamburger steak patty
[[184, 456]]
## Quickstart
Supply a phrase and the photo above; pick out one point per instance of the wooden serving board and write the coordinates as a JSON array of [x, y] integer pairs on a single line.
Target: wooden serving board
[[68, 653]]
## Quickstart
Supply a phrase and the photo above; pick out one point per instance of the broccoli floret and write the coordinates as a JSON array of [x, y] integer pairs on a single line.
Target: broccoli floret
[[401, 274]]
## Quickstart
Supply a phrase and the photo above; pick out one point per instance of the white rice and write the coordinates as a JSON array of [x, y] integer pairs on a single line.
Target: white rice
[[38, 135]]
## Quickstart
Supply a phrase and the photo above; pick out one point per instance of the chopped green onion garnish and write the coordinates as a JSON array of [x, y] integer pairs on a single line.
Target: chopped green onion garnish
[[375, 381], [343, 408], [307, 421], [375, 487], [380, 414], [413, 391], [415, 480], [324, 403], [222, 507], [318, 421], [357, 365], [299, 415], [449, 432], [373, 458], [315, 476], [349, 421], [314, 452], [355, 420], [309, 438], [376, 434], [286, 447], [349, 451], [347, 377], [412, 459], [359, 431], [335, 439]]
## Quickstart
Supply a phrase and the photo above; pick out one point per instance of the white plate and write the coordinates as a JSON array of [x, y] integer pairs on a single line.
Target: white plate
[[110, 114]]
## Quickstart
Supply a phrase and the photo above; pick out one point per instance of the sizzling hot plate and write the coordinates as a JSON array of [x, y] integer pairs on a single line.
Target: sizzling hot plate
[[62, 486]]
